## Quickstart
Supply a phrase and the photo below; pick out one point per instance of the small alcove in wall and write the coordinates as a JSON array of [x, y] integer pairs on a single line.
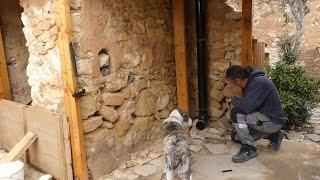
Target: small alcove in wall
[[15, 50]]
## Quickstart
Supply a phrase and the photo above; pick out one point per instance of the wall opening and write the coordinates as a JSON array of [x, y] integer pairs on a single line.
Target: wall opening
[[15, 50]]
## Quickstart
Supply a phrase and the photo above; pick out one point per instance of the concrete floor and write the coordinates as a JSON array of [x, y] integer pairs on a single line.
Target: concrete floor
[[295, 160]]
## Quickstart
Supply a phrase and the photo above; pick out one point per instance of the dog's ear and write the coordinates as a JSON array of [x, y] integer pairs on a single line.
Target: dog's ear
[[184, 115]]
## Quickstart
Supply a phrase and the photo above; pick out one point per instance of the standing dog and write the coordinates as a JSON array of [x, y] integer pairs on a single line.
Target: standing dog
[[176, 145]]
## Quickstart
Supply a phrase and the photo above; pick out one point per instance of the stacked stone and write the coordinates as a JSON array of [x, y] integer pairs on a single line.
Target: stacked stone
[[44, 69], [270, 25], [223, 26], [124, 52]]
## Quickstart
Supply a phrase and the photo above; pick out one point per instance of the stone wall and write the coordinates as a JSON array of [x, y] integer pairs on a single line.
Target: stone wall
[[124, 52], [223, 33], [15, 50], [269, 25], [44, 68]]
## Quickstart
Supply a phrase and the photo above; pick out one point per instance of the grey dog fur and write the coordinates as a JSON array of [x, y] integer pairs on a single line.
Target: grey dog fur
[[176, 149]]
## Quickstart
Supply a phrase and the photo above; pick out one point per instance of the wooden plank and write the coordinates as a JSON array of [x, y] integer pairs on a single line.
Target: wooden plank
[[180, 54], [48, 153], [12, 124], [247, 59], [20, 148], [255, 52], [72, 105], [5, 86], [259, 55], [262, 54], [267, 60]]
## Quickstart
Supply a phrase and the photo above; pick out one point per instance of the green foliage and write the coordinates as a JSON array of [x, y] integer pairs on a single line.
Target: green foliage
[[298, 92], [288, 54]]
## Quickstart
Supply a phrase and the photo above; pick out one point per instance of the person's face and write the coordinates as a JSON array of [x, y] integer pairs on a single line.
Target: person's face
[[241, 83]]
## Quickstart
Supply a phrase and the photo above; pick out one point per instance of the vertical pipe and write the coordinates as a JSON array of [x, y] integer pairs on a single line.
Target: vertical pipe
[[201, 44]]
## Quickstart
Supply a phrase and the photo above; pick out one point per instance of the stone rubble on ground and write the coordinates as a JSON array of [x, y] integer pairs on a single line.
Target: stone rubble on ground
[[313, 126], [217, 149], [149, 162], [314, 137], [211, 141], [142, 164], [196, 148], [293, 135], [145, 170]]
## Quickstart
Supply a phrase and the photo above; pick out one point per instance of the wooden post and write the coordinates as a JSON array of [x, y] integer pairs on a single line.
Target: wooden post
[[247, 59], [4, 78], [180, 54], [255, 53], [267, 60], [262, 56], [72, 105], [259, 55]]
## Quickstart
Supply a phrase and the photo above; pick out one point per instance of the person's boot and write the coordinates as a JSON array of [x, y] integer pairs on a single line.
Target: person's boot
[[233, 137], [246, 153], [275, 140]]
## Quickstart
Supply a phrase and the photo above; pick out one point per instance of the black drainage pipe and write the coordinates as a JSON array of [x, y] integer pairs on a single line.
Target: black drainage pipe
[[201, 44]]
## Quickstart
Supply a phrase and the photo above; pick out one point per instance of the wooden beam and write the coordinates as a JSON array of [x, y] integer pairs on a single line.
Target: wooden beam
[[255, 53], [180, 54], [267, 60], [72, 105], [20, 147], [247, 59], [4, 78], [262, 54]]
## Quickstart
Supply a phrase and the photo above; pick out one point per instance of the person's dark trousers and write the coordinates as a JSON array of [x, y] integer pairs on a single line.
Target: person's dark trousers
[[250, 127]]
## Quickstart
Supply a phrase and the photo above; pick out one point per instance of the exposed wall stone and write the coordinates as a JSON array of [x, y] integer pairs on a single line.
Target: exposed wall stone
[[269, 26], [44, 69], [223, 34], [15, 50], [124, 52]]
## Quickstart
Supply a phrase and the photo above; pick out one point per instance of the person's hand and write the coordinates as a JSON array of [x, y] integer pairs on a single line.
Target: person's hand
[[229, 104]]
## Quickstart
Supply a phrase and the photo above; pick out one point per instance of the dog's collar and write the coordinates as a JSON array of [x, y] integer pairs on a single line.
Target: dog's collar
[[173, 119]]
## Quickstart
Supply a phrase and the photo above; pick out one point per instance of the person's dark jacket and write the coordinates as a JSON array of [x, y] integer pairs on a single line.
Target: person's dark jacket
[[261, 95]]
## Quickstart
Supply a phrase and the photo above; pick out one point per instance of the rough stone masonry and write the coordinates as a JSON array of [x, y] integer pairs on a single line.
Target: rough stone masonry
[[124, 52]]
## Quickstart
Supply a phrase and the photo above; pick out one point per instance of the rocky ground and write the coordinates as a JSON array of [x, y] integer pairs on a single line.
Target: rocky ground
[[311, 130], [212, 150]]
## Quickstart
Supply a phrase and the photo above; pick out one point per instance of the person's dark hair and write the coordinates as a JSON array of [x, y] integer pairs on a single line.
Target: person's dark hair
[[238, 72]]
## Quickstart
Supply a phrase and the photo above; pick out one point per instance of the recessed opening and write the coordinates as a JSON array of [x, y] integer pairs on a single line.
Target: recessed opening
[[104, 60], [16, 52]]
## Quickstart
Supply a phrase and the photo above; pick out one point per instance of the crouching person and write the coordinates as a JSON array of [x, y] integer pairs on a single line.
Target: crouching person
[[258, 115]]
